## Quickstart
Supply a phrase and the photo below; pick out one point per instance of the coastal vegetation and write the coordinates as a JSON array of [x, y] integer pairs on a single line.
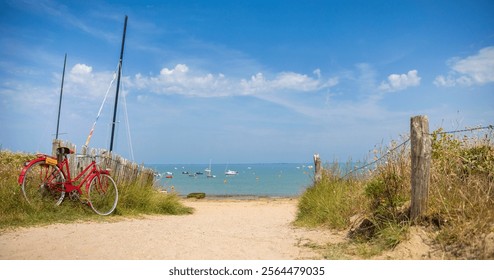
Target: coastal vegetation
[[370, 202], [134, 200], [373, 204]]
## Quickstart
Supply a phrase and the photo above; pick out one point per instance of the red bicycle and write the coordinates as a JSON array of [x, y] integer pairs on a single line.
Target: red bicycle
[[46, 180]]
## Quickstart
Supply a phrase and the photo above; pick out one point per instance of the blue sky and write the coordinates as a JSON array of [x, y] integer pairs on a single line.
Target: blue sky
[[243, 81]]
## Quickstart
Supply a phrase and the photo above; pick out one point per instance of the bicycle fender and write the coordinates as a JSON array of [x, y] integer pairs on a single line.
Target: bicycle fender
[[27, 165], [40, 157]]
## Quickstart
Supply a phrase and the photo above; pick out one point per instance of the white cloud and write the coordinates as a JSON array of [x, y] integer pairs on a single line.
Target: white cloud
[[284, 81], [442, 81], [82, 81], [80, 73], [179, 70], [81, 69], [397, 82], [86, 83], [473, 70], [317, 72], [181, 80], [294, 81]]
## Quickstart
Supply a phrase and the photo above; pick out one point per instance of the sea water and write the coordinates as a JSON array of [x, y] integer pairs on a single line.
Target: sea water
[[272, 180]]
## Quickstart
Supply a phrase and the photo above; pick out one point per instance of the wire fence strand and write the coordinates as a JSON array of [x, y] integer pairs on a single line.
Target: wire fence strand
[[490, 127], [388, 153], [377, 160]]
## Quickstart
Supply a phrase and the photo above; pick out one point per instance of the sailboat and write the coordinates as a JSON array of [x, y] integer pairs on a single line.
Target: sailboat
[[208, 171]]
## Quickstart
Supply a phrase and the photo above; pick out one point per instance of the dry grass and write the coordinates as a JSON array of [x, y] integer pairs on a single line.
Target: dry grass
[[460, 210], [461, 199]]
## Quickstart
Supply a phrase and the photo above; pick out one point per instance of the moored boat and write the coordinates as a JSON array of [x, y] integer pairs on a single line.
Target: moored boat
[[231, 172]]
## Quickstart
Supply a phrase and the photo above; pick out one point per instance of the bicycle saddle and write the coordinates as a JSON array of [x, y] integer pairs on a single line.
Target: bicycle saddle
[[63, 151]]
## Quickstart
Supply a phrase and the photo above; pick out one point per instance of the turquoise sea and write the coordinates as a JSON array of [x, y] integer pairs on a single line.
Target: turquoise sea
[[272, 180]]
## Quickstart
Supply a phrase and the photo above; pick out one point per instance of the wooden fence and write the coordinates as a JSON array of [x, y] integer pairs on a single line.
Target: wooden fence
[[421, 152], [122, 170]]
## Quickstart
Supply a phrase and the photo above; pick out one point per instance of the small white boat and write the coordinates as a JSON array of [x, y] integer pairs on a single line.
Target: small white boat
[[231, 172]]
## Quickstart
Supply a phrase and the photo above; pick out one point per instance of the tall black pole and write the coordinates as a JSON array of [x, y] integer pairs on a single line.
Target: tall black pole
[[118, 85], [61, 91]]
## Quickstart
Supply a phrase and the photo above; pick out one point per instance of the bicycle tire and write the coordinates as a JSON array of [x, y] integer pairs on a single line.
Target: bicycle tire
[[103, 194], [43, 185]]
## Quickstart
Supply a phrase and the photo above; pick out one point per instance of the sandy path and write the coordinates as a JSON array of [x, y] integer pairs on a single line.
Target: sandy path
[[253, 229]]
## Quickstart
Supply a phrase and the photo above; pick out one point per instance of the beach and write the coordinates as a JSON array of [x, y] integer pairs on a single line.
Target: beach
[[219, 229]]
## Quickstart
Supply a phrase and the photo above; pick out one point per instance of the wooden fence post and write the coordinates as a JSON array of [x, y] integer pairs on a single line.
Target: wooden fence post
[[421, 150], [55, 144], [317, 168]]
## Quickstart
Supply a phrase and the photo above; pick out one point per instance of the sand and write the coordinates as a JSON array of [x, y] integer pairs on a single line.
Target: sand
[[258, 229]]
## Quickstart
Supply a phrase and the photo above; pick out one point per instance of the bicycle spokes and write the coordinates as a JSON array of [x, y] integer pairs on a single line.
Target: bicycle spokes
[[43, 184], [103, 194]]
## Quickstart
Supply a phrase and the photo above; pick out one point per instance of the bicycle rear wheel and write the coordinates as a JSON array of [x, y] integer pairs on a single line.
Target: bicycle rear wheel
[[43, 185], [103, 194]]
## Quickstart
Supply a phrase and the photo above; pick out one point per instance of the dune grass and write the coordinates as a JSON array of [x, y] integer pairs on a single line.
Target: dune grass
[[134, 200], [461, 197], [330, 202]]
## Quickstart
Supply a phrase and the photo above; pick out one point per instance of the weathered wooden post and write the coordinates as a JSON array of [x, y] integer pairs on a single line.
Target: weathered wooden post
[[421, 150], [54, 146], [317, 168]]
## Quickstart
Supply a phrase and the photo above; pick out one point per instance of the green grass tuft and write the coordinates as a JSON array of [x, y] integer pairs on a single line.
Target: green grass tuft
[[330, 202]]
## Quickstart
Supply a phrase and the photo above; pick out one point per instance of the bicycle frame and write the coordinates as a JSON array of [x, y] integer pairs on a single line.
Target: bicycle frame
[[86, 175], [86, 178]]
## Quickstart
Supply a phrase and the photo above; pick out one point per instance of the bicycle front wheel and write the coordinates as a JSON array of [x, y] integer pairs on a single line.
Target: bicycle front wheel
[[103, 194], [43, 185]]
